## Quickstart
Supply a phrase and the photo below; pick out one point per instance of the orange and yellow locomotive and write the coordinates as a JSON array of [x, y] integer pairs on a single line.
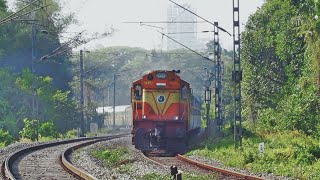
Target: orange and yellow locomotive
[[164, 112]]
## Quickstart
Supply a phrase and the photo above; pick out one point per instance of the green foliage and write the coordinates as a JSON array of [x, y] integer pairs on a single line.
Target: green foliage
[[29, 130], [48, 129], [287, 154], [300, 110], [5, 138], [71, 134], [281, 67], [16, 90], [112, 156], [54, 103], [3, 5]]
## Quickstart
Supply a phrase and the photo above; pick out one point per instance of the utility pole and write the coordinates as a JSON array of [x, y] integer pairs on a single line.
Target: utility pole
[[222, 110], [207, 97], [218, 85], [34, 92], [237, 75], [114, 100], [81, 95]]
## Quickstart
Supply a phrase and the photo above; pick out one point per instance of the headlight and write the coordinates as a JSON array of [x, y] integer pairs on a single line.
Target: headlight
[[175, 117], [144, 117]]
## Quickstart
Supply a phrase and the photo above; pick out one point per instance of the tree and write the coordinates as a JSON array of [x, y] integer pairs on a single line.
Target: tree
[[17, 34], [55, 104], [279, 68]]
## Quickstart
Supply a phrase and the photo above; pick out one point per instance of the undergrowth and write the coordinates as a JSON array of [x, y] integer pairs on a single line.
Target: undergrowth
[[112, 157], [288, 153]]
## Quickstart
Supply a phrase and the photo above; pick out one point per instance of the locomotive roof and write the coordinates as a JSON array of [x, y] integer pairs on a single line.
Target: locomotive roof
[[170, 73]]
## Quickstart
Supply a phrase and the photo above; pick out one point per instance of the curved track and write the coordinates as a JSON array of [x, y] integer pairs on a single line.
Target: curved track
[[189, 165], [42, 161]]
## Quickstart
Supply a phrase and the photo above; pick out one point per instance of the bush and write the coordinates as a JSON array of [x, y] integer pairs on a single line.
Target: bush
[[48, 129], [289, 153], [71, 134], [5, 138], [29, 130]]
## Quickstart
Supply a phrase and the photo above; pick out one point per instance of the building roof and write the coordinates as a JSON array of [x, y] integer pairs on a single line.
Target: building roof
[[109, 109]]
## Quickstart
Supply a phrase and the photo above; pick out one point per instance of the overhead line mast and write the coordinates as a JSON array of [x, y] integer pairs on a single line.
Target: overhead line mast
[[218, 84], [237, 75]]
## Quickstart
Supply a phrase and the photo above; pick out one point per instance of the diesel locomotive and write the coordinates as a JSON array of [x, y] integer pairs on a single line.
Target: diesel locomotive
[[164, 112]]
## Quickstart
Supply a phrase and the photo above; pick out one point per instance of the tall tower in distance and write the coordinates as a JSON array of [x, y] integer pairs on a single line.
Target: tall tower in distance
[[177, 14]]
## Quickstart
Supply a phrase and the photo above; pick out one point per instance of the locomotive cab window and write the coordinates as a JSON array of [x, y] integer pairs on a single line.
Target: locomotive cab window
[[184, 92], [161, 75], [137, 92]]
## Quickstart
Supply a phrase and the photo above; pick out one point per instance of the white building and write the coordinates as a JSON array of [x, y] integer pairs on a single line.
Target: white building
[[177, 14]]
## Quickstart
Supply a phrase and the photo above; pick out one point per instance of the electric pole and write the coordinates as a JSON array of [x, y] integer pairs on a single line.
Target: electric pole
[[81, 95], [237, 75], [207, 97], [33, 91], [218, 85]]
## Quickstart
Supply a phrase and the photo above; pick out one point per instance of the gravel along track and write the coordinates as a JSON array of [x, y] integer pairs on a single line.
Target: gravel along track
[[168, 161], [42, 164], [134, 165], [187, 167]]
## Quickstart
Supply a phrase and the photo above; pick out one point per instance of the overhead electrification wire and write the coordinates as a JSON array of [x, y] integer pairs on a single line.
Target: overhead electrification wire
[[206, 58], [201, 17], [23, 8], [100, 65], [142, 24], [56, 51], [15, 17], [189, 32], [164, 22]]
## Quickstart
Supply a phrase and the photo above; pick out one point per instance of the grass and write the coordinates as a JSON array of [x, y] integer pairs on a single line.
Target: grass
[[113, 157], [119, 159], [287, 154]]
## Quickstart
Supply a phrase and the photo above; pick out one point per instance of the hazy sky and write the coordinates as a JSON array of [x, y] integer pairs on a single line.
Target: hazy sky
[[100, 15]]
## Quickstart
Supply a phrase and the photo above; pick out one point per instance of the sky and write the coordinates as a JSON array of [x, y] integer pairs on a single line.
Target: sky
[[100, 15]]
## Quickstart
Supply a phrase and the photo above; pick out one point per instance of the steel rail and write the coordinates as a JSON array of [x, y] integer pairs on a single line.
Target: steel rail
[[77, 172], [205, 167], [216, 169], [6, 168]]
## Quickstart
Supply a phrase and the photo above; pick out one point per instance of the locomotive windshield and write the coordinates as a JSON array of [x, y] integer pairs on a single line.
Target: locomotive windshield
[[184, 93], [137, 92], [161, 75]]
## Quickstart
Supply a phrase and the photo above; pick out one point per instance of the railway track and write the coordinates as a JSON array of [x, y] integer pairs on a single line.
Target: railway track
[[48, 161], [187, 165]]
